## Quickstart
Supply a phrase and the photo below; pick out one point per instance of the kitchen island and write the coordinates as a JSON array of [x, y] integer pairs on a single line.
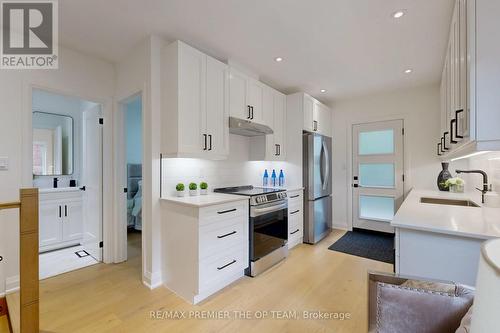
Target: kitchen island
[[442, 241]]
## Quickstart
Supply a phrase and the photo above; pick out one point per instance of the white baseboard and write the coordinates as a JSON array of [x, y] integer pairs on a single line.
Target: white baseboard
[[152, 280], [341, 227], [11, 284]]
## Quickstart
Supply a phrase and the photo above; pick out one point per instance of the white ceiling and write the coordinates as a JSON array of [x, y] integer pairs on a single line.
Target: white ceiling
[[349, 47]]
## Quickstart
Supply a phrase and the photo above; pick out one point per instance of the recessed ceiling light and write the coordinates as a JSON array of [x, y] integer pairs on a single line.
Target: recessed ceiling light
[[408, 71], [278, 59], [398, 14], [323, 90]]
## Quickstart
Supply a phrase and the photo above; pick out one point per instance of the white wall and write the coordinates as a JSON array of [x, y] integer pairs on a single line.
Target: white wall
[[133, 129], [78, 75], [488, 162], [419, 107]]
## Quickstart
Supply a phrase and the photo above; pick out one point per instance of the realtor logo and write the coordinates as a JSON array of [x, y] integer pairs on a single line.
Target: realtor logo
[[29, 35]]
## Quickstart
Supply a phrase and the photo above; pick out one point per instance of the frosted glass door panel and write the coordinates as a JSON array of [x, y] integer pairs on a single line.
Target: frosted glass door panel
[[376, 175], [376, 208], [376, 142]]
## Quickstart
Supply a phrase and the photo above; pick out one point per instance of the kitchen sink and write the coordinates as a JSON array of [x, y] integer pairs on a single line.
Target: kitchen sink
[[453, 202]]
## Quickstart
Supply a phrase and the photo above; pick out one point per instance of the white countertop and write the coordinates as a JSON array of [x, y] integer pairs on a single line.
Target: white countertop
[[286, 188], [475, 222], [205, 200], [58, 189]]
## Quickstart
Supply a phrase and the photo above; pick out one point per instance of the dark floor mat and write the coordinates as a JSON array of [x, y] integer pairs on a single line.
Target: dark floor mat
[[367, 244]]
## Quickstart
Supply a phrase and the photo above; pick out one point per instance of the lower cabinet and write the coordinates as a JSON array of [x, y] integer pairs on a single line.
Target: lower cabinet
[[204, 248], [61, 220], [295, 218]]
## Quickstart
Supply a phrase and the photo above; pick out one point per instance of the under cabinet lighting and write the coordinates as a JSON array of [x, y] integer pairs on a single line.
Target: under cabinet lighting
[[398, 14], [470, 155]]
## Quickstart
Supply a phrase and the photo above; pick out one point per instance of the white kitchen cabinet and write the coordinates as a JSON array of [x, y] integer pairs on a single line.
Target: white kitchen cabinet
[[271, 147], [205, 247], [246, 97], [470, 82], [195, 102], [295, 218], [61, 220], [317, 116]]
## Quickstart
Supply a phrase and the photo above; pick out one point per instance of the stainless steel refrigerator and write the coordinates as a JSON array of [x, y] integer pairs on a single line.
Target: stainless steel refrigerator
[[317, 177]]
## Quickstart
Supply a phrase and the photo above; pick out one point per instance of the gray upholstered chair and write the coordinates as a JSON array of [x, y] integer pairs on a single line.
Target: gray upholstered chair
[[398, 304]]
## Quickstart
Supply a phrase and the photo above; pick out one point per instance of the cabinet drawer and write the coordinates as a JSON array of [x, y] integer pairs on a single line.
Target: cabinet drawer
[[216, 269], [219, 236], [294, 197], [227, 211], [295, 240]]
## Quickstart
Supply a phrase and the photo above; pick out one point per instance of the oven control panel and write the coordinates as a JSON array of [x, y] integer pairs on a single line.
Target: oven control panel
[[266, 198]]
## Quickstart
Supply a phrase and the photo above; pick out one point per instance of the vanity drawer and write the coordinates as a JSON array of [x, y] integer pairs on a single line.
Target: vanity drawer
[[216, 270], [232, 210], [217, 237]]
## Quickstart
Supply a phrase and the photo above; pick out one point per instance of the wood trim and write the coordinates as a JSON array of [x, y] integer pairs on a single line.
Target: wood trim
[[28, 261]]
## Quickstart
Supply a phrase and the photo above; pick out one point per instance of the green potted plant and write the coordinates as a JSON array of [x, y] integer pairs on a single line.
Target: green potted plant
[[193, 189], [179, 188], [456, 185], [203, 188]]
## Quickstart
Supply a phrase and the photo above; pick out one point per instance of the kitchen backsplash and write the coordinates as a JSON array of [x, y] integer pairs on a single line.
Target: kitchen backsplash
[[490, 163], [236, 170]]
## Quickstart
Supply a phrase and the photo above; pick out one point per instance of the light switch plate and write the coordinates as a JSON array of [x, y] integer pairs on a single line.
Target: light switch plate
[[4, 163]]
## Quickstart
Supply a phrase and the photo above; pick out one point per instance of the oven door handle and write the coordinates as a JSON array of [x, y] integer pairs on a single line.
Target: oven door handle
[[261, 211]]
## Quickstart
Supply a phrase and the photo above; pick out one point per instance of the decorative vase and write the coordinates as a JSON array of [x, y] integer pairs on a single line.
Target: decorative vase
[[181, 193], [203, 191], [443, 176], [193, 193]]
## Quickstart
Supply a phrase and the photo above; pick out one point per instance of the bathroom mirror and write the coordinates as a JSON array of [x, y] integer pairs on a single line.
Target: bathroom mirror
[[52, 144]]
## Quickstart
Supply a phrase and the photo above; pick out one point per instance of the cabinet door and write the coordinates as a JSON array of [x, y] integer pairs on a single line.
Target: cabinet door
[[72, 220], [192, 79], [463, 121], [255, 95], [217, 113], [279, 124], [50, 215], [268, 113], [238, 106], [308, 113]]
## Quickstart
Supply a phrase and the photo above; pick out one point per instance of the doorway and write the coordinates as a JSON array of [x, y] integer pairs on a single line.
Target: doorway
[[67, 153], [378, 179], [133, 166]]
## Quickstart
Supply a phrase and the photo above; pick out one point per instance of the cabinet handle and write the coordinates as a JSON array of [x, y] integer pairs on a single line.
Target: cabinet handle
[[295, 212], [227, 211], [275, 150], [205, 140], [249, 112], [294, 196], [229, 234], [456, 124], [65, 211], [439, 149], [210, 140], [294, 232], [251, 108], [60, 211], [453, 124], [442, 144], [279, 150], [444, 141], [315, 125], [228, 264]]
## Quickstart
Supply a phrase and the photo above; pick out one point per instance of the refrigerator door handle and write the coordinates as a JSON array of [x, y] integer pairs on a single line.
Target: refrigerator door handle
[[326, 158]]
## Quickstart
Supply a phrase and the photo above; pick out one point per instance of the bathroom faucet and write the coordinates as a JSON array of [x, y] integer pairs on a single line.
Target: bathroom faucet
[[486, 187]]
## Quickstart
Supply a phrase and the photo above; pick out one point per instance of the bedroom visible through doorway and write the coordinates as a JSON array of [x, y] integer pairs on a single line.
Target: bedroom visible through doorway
[[132, 109]]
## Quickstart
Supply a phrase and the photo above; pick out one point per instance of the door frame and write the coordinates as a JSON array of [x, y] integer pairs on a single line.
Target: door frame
[[107, 146], [349, 151], [121, 176]]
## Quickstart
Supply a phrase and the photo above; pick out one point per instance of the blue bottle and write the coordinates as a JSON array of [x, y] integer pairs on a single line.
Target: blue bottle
[[273, 178], [281, 179], [265, 179]]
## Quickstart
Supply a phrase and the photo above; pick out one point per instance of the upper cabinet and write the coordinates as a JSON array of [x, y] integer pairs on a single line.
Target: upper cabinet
[[317, 116], [195, 104], [246, 97], [271, 147], [470, 103]]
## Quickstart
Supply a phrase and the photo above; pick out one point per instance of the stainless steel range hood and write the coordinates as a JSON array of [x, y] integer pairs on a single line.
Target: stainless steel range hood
[[247, 128]]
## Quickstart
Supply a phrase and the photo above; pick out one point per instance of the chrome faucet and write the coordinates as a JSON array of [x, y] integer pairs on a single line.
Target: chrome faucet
[[486, 187]]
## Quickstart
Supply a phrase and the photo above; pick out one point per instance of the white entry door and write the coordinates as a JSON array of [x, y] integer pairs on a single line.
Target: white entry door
[[377, 174], [92, 180]]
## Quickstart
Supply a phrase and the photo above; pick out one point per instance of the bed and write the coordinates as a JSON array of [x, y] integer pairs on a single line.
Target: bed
[[134, 196]]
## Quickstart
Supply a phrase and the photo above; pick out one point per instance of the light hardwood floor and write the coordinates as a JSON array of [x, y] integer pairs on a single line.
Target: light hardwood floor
[[111, 298]]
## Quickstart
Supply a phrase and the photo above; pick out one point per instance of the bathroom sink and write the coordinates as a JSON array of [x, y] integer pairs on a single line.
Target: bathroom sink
[[452, 202]]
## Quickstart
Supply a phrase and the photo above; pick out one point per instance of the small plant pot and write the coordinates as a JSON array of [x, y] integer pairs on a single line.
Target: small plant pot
[[457, 188], [181, 193], [193, 193], [203, 191]]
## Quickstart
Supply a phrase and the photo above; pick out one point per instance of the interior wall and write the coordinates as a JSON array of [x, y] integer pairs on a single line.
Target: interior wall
[[78, 75], [133, 129], [420, 109]]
